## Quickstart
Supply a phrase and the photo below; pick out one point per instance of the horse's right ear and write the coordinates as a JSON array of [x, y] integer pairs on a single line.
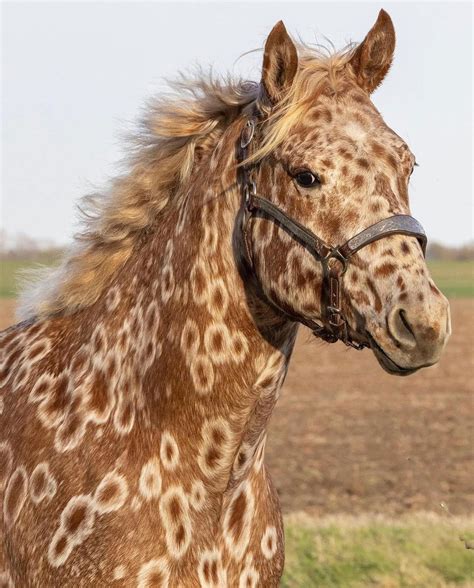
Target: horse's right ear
[[280, 62]]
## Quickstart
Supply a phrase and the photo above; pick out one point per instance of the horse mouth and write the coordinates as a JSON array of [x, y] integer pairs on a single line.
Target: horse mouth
[[387, 362]]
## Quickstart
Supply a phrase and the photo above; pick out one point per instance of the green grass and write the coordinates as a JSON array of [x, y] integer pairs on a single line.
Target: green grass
[[454, 278], [422, 551]]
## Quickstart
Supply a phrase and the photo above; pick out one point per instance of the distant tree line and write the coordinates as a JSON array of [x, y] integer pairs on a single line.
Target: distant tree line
[[23, 247], [436, 251]]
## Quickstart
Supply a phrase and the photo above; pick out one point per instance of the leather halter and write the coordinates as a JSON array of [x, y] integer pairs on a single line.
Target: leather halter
[[334, 260]]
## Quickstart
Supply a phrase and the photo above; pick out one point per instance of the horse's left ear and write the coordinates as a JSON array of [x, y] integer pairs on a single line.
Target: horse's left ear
[[373, 57], [280, 62]]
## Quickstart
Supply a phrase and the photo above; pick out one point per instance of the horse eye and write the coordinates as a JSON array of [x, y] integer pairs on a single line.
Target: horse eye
[[307, 179]]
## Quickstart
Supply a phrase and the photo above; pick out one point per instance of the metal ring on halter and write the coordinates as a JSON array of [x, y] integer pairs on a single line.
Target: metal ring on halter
[[250, 190], [336, 254]]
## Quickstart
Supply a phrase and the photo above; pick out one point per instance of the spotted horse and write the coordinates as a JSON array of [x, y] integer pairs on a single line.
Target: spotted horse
[[136, 393]]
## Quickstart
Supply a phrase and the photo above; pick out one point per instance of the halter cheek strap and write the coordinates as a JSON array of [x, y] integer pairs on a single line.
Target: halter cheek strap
[[334, 260]]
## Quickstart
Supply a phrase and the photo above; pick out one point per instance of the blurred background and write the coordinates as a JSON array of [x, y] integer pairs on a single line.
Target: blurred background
[[374, 472]]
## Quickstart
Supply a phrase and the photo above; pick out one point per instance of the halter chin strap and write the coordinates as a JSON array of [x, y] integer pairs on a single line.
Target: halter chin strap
[[334, 260]]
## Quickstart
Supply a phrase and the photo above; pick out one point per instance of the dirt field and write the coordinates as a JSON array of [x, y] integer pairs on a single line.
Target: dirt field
[[346, 437]]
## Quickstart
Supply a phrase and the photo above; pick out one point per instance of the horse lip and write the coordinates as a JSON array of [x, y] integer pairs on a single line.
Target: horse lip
[[387, 362]]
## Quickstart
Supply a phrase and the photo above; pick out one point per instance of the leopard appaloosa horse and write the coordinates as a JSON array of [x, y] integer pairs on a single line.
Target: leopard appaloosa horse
[[136, 393]]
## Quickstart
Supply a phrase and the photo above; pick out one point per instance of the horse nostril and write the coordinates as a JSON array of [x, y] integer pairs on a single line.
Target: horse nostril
[[400, 328], [406, 324]]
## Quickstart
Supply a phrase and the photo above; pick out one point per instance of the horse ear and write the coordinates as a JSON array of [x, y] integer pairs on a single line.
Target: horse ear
[[373, 57], [280, 62]]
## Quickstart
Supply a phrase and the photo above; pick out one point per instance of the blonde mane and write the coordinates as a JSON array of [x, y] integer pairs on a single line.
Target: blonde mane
[[162, 156]]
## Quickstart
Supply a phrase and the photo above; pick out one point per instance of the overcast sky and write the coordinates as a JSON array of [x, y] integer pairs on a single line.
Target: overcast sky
[[75, 75]]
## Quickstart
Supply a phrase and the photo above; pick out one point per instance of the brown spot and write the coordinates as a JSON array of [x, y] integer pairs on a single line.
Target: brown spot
[[167, 280], [98, 341], [22, 372], [15, 495], [6, 460], [202, 375], [36, 349], [169, 451], [212, 457], [358, 97], [180, 535], [154, 579], [206, 571], [403, 297], [326, 114], [217, 342], [108, 493], [360, 297], [112, 365], [9, 363], [379, 150], [75, 518], [58, 399], [79, 361], [190, 338], [99, 393], [270, 543], [218, 436], [354, 277], [358, 181], [388, 253], [236, 519], [214, 575], [300, 281], [401, 283], [405, 248], [238, 346], [376, 206], [328, 163], [126, 417], [38, 482], [385, 270], [375, 294], [420, 297], [59, 546], [175, 509], [362, 162], [152, 318], [11, 346], [333, 223], [392, 161], [218, 298], [199, 281]]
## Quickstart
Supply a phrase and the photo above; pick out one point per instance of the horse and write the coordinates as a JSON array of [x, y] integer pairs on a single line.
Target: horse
[[137, 390]]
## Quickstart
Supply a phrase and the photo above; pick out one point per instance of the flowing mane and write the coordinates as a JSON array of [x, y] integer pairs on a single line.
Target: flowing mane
[[163, 149]]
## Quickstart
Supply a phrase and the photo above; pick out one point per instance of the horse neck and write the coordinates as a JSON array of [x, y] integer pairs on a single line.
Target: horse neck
[[178, 320]]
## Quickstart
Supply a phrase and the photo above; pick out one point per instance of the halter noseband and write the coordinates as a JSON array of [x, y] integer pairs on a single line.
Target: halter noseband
[[334, 260]]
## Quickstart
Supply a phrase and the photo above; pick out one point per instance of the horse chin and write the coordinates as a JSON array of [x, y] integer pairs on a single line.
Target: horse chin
[[387, 363]]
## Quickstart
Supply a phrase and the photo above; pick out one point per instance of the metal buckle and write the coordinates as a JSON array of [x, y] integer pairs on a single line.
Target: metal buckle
[[247, 133], [250, 190]]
